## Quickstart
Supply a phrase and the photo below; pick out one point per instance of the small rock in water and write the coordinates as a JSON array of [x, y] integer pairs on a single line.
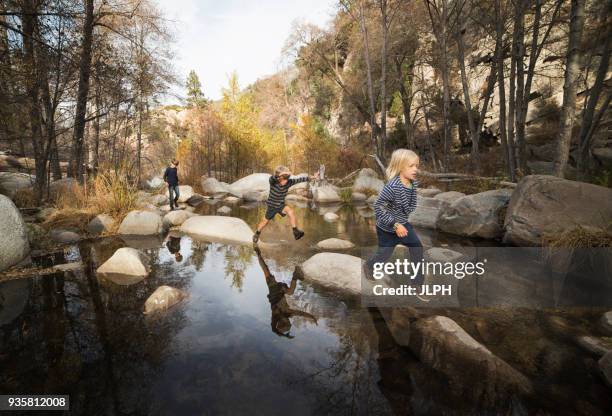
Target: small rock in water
[[330, 216], [606, 322], [335, 271], [335, 244], [163, 298], [64, 236], [224, 210], [101, 223], [126, 261]]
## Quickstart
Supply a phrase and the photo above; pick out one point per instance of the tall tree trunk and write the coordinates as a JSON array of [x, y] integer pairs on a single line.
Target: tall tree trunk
[[474, 133], [502, 90], [383, 78], [366, 53], [586, 128], [28, 18], [572, 71], [519, 54], [76, 167], [406, 97]]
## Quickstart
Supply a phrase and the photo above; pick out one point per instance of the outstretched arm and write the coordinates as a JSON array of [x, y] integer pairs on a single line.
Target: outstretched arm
[[296, 312]]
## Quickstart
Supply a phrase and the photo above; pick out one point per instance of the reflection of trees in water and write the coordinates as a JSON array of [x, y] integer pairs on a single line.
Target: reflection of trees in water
[[88, 338], [237, 259], [199, 250], [345, 383]]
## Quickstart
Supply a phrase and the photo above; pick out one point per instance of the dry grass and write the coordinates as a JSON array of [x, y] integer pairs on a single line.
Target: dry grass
[[109, 193], [580, 237], [70, 218], [24, 198]]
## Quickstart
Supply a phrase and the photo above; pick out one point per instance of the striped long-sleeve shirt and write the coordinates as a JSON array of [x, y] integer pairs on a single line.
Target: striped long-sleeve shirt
[[278, 192], [395, 203]]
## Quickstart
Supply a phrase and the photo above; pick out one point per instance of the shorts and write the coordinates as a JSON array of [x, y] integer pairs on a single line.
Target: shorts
[[272, 211]]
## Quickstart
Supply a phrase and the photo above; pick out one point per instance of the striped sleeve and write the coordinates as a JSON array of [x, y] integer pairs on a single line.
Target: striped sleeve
[[383, 214], [297, 180]]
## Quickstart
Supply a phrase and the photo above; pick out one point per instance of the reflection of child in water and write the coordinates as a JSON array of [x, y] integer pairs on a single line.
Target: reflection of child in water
[[281, 312], [174, 247]]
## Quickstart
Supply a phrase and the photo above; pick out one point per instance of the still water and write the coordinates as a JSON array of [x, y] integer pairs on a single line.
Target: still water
[[237, 345]]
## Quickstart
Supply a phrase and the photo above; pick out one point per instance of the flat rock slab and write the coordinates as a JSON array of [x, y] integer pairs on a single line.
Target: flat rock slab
[[163, 298], [126, 262], [335, 271], [217, 228], [335, 244]]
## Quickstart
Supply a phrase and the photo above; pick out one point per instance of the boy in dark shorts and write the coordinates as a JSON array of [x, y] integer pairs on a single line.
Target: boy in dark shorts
[[279, 186]]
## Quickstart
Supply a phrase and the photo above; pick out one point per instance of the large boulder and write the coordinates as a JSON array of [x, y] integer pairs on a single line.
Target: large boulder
[[325, 193], [155, 182], [185, 192], [255, 196], [61, 186], [428, 192], [368, 182], [442, 344], [126, 266], [159, 199], [101, 223], [544, 204], [335, 271], [476, 215], [163, 298], [174, 218], [141, 223], [14, 244], [335, 244], [218, 228], [426, 213], [211, 186], [11, 182], [254, 182], [450, 196]]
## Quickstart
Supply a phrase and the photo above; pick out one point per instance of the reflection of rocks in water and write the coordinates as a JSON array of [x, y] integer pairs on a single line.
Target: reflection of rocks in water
[[14, 295]]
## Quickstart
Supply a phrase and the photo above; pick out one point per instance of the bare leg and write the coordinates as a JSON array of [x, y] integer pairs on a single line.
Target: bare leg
[[262, 224], [291, 214]]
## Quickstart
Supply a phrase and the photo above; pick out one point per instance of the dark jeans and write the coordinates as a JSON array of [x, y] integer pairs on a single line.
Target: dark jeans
[[173, 200], [387, 242]]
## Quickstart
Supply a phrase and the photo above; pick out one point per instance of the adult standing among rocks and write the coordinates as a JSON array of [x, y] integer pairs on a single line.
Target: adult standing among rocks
[[171, 178]]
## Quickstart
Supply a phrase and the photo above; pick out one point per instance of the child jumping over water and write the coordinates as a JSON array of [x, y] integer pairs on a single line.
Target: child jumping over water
[[396, 201], [279, 186]]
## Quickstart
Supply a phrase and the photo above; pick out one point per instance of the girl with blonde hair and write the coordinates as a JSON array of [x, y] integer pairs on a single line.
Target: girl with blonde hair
[[396, 201]]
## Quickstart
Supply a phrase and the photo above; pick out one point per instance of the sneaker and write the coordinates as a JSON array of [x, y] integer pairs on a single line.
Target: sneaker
[[298, 234], [255, 238], [367, 273]]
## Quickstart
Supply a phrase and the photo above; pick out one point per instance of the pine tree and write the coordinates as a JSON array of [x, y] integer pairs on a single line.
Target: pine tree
[[195, 96]]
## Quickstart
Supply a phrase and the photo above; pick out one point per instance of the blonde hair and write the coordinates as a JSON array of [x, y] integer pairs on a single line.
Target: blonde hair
[[398, 159], [281, 170]]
